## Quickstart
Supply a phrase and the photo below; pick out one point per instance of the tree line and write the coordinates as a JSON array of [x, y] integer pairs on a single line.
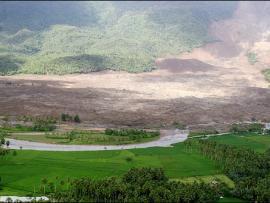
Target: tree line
[[248, 169], [132, 133], [66, 117], [139, 185]]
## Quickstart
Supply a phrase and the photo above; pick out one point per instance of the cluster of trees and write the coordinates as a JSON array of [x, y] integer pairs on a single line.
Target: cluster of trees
[[139, 185], [249, 170], [43, 124], [247, 128], [66, 117], [133, 134], [95, 137], [3, 142]]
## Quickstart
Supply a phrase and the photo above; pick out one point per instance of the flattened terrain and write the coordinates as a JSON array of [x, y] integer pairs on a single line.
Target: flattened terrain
[[191, 92]]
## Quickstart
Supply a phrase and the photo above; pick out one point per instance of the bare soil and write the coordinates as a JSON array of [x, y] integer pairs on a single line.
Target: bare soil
[[153, 99]]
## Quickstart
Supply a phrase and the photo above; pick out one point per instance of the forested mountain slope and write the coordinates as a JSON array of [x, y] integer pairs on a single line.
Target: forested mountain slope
[[81, 37]]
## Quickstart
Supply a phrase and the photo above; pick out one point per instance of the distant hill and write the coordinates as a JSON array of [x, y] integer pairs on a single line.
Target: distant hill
[[81, 37]]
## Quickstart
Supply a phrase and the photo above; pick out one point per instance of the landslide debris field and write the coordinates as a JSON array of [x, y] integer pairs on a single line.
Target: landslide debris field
[[219, 82], [214, 94]]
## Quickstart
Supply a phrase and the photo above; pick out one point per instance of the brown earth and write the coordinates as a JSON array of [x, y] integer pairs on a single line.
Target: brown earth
[[144, 100]]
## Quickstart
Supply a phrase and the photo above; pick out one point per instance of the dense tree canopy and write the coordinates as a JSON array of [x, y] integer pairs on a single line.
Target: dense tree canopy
[[138, 185], [250, 170]]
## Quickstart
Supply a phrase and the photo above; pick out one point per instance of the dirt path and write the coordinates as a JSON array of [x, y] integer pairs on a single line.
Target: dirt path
[[168, 138]]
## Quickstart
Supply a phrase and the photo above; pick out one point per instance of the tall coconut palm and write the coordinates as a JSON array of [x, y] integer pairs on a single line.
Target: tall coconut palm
[[44, 181]]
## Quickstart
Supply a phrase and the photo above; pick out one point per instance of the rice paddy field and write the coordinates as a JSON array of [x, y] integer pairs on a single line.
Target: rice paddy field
[[22, 174]]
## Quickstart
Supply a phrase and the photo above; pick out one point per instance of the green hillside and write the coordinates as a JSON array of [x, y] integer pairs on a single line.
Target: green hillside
[[81, 37]]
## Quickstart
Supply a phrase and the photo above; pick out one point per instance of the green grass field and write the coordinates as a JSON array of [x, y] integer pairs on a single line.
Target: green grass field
[[258, 143], [80, 138], [22, 172]]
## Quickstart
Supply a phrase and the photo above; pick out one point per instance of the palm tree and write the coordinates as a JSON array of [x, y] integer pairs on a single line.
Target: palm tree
[[44, 182], [51, 186], [56, 178], [62, 183]]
